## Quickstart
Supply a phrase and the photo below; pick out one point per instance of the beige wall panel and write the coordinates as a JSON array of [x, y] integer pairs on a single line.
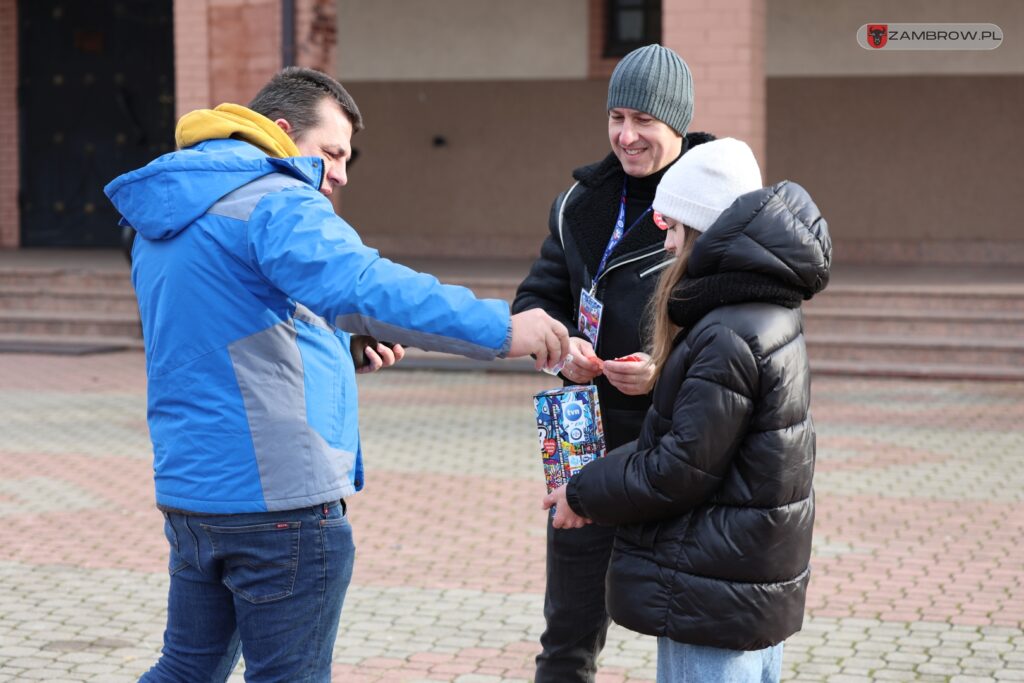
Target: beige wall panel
[[510, 148], [815, 38], [396, 40], [925, 160]]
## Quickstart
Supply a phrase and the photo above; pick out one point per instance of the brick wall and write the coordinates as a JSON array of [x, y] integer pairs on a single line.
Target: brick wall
[[245, 47], [724, 44], [316, 34], [9, 218], [224, 50], [601, 67], [191, 55]]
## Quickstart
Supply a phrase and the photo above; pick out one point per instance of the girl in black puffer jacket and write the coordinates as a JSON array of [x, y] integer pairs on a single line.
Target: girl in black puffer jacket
[[713, 503]]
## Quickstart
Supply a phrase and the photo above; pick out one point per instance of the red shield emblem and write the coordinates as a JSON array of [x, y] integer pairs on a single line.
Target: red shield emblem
[[878, 35], [550, 445]]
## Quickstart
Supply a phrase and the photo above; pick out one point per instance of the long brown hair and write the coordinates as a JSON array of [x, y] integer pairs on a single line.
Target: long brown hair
[[660, 330]]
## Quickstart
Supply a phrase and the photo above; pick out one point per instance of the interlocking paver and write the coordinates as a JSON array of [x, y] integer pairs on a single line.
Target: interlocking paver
[[917, 568]]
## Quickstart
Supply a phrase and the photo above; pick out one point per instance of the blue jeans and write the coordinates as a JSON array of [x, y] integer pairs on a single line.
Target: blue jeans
[[268, 586], [682, 663]]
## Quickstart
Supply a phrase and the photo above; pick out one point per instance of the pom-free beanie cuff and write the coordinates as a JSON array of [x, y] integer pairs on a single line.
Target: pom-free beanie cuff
[[705, 181], [686, 211]]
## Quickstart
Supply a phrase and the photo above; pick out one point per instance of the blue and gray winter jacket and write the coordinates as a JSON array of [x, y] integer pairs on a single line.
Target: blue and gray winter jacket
[[252, 395]]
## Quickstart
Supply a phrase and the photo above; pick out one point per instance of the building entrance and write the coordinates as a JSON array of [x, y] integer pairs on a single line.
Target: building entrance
[[95, 99]]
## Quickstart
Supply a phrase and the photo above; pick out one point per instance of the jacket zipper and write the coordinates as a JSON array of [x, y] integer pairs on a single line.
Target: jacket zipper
[[624, 262], [660, 266]]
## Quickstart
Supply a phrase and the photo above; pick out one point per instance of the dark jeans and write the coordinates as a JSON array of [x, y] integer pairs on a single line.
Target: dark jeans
[[577, 621], [267, 585]]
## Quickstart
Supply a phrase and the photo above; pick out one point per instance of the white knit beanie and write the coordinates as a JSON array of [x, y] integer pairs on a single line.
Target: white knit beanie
[[705, 181]]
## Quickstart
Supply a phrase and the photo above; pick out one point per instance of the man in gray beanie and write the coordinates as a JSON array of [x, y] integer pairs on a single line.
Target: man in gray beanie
[[600, 263]]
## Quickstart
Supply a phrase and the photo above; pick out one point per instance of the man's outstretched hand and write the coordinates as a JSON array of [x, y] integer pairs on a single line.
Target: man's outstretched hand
[[536, 333], [370, 355]]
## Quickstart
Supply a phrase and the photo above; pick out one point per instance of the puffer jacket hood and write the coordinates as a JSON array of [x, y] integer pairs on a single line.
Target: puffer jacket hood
[[776, 231]]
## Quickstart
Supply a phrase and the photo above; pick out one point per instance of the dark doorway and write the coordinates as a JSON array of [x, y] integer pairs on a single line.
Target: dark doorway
[[95, 99]]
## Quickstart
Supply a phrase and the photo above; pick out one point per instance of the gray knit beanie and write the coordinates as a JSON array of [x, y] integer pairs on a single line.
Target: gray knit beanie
[[656, 81]]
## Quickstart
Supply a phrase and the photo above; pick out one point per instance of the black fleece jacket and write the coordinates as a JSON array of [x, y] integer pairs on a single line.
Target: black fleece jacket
[[570, 256]]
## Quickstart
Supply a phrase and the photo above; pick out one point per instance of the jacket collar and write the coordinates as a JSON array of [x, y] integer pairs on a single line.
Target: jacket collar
[[592, 219]]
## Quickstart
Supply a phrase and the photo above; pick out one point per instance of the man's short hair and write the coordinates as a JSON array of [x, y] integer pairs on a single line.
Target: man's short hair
[[294, 94]]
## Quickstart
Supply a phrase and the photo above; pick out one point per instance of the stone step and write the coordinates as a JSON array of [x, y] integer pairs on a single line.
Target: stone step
[[39, 298], [920, 297], [907, 330], [66, 345], [925, 323], [943, 371], [840, 296], [916, 350], [69, 324], [416, 359], [78, 278], [487, 288]]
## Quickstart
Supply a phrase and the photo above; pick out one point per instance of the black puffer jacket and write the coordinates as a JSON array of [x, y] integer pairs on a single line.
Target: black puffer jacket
[[568, 259], [713, 503]]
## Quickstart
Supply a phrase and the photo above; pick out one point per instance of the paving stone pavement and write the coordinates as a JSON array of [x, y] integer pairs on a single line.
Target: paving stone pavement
[[918, 567]]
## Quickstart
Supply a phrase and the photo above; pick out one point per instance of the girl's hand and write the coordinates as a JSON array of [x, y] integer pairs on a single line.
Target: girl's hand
[[631, 377], [565, 517], [584, 365]]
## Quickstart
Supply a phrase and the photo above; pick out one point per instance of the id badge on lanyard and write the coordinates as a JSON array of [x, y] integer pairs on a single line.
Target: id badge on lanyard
[[589, 320]]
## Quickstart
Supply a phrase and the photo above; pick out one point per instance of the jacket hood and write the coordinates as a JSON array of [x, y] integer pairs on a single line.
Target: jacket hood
[[162, 198], [775, 231], [232, 121]]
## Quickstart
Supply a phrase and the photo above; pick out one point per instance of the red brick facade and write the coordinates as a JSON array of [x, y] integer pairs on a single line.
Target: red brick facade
[[225, 50], [9, 218], [316, 34], [191, 55], [724, 44]]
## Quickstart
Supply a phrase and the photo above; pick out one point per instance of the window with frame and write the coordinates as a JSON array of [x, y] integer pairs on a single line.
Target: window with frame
[[631, 24]]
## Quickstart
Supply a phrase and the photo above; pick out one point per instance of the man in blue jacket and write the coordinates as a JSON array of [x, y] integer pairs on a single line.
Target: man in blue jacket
[[249, 289]]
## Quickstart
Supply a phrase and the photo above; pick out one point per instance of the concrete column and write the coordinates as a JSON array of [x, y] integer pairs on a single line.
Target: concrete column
[[10, 219], [724, 43]]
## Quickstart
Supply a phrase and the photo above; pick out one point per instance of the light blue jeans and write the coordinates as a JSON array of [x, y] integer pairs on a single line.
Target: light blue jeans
[[682, 663]]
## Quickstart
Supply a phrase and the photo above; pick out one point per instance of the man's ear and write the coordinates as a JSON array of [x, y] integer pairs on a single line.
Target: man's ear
[[284, 125]]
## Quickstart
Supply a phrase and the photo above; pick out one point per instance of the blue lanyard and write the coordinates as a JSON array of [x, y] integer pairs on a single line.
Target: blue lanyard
[[618, 233]]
